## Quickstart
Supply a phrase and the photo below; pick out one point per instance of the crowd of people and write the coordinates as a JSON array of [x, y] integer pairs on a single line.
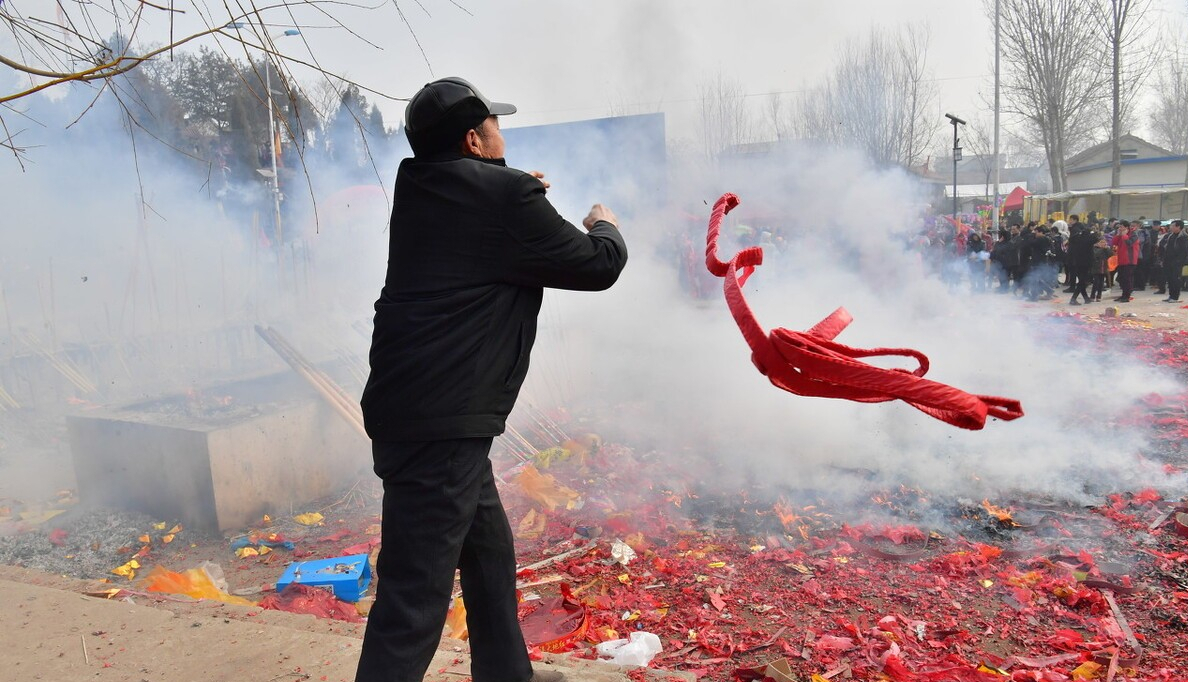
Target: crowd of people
[[1028, 259]]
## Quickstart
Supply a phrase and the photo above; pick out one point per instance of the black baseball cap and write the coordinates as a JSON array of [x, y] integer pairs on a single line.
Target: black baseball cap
[[441, 112]]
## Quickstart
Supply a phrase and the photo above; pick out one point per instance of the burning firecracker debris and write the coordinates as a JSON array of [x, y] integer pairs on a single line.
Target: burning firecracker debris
[[762, 581]]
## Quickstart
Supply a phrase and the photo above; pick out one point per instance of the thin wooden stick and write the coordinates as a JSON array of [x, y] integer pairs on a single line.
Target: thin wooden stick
[[333, 394], [86, 656], [340, 395]]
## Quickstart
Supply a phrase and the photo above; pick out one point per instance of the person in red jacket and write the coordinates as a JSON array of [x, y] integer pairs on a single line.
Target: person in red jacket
[[1126, 248]]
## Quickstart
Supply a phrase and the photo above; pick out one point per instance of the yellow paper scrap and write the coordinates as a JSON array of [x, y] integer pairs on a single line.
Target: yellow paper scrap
[[176, 529], [159, 526], [36, 517], [1086, 671], [267, 520], [987, 583], [625, 579], [244, 552], [456, 620], [265, 550], [716, 564], [310, 519], [145, 538], [545, 490], [128, 570]]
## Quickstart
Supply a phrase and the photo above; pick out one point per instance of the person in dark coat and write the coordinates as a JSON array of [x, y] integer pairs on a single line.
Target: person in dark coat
[[1080, 260], [1101, 265], [1175, 256], [473, 244]]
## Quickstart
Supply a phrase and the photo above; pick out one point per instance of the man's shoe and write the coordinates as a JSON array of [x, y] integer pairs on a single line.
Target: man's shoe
[[1159, 291], [547, 676], [1074, 302]]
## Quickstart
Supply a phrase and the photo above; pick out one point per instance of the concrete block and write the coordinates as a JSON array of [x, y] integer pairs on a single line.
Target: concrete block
[[216, 468]]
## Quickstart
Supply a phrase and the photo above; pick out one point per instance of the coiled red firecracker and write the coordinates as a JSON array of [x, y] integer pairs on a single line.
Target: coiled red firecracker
[[812, 364]]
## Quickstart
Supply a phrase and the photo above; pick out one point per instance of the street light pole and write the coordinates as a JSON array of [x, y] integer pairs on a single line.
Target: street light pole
[[272, 148], [997, 88], [276, 194], [956, 158]]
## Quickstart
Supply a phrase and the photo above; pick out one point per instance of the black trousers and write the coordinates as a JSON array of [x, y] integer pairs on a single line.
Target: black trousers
[[1098, 285], [1079, 276], [1174, 280], [1126, 279], [441, 512]]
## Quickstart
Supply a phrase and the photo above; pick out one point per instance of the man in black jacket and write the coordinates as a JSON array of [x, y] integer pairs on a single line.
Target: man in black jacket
[[1080, 260], [1175, 256], [473, 244]]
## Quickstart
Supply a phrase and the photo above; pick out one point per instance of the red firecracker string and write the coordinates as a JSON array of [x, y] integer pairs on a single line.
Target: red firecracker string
[[811, 364]]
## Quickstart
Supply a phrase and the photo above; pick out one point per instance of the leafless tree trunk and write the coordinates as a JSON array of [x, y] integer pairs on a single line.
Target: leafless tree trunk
[[878, 98], [979, 141], [1053, 76], [777, 117], [1124, 22], [1169, 122], [725, 122]]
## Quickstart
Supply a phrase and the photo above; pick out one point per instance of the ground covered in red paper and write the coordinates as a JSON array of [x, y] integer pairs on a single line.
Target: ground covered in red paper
[[616, 539], [1025, 589]]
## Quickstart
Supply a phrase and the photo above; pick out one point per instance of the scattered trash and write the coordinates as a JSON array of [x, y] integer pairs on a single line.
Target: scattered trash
[[310, 600], [128, 570], [555, 625], [203, 582], [456, 620], [258, 540], [621, 552], [546, 491], [347, 576], [639, 649], [310, 519]]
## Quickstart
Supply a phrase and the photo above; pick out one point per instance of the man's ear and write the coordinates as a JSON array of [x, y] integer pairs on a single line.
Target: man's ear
[[470, 143]]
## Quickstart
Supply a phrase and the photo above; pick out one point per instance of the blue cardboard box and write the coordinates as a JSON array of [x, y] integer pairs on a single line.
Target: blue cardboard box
[[348, 576]]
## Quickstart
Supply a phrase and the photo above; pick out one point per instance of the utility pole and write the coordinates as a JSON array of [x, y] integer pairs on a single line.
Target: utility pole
[[997, 163], [956, 158]]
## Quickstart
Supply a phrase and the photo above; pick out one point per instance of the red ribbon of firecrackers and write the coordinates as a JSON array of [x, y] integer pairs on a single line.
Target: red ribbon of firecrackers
[[811, 364]]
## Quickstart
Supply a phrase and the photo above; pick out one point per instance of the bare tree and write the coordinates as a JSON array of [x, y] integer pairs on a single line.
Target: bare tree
[[74, 44], [979, 140], [776, 116], [1169, 121], [1053, 78], [725, 122], [1124, 23], [878, 98]]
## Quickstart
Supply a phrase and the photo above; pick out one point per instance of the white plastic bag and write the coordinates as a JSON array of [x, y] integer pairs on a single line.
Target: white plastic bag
[[639, 650]]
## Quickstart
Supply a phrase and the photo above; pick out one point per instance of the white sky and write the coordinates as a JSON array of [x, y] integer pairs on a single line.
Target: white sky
[[561, 60]]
